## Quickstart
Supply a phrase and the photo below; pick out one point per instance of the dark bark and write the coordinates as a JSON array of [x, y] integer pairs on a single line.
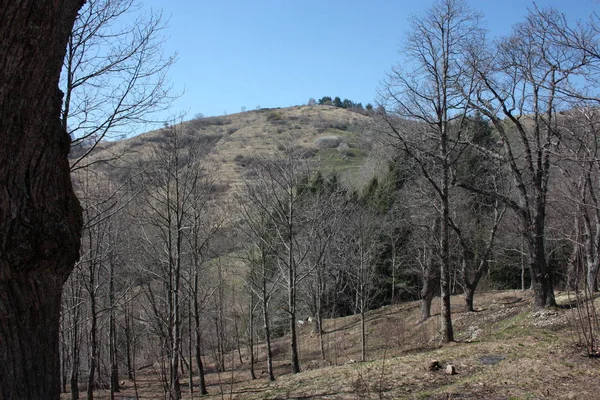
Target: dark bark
[[251, 336], [93, 341], [267, 330], [128, 343], [40, 217], [198, 338], [112, 336], [293, 334], [430, 281], [426, 305]]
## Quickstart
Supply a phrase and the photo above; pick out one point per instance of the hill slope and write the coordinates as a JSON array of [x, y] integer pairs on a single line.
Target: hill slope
[[503, 351], [328, 135]]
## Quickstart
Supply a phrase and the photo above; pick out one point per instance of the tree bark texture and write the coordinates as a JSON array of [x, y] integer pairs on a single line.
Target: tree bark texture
[[40, 217]]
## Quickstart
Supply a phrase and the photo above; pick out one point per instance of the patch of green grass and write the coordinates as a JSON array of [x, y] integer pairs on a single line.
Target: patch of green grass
[[341, 161]]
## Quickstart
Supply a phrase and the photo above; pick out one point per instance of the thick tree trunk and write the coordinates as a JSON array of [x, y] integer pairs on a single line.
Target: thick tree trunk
[[469, 296], [541, 276], [430, 286], [471, 286], [40, 217]]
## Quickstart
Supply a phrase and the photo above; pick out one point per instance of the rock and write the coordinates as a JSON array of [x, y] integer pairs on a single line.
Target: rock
[[473, 333], [491, 359], [434, 365], [450, 369]]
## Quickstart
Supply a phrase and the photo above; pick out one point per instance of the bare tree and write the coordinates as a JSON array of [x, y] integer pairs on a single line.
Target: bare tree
[[523, 83], [278, 192], [263, 278], [114, 74], [174, 177], [425, 108], [360, 247]]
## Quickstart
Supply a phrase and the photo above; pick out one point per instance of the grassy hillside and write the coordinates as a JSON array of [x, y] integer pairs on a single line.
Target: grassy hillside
[[503, 351], [328, 135]]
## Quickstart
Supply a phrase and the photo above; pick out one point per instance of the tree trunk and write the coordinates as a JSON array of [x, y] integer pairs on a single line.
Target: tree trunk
[[427, 293], [112, 336], [469, 296], [541, 276], [251, 336], [430, 286], [199, 364], [267, 329], [363, 336], [40, 217], [128, 341], [93, 341], [592, 277], [446, 312], [293, 335], [63, 357]]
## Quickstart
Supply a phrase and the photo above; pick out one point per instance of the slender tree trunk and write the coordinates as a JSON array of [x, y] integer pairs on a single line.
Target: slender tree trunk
[[190, 349], [592, 278], [522, 265], [63, 355], [40, 217], [292, 324], [319, 315], [446, 311], [128, 341], [114, 367], [267, 329], [93, 342], [198, 338], [363, 336], [75, 332], [251, 335]]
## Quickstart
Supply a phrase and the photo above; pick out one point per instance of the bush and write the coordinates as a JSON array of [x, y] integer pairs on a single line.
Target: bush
[[199, 123], [328, 142], [275, 117]]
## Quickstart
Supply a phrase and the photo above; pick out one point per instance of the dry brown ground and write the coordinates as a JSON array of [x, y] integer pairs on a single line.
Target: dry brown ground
[[503, 351]]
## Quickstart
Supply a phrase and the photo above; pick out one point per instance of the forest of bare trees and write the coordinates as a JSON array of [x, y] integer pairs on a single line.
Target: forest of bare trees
[[491, 165], [491, 177]]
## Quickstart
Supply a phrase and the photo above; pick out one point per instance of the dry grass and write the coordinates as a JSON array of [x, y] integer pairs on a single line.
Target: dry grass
[[503, 351], [254, 134]]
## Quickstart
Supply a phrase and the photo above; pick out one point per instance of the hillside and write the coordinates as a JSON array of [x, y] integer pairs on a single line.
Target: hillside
[[328, 135], [503, 351]]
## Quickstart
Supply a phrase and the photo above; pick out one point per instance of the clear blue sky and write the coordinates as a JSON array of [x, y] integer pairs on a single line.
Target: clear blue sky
[[236, 53]]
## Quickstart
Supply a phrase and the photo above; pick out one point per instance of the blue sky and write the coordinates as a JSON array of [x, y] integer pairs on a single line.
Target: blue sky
[[234, 54]]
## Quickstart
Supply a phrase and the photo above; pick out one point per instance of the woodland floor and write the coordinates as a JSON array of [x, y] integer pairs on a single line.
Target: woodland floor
[[502, 351]]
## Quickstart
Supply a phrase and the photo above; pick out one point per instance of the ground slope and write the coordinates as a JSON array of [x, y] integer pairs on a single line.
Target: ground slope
[[503, 351]]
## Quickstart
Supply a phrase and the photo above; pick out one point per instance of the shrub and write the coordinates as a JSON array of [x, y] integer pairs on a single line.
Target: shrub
[[328, 142], [275, 117]]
